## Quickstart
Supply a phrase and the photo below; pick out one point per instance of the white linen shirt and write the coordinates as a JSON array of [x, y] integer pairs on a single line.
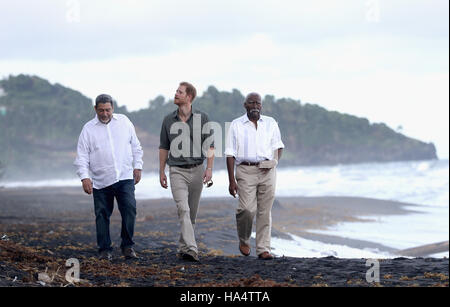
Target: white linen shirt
[[246, 143], [108, 153]]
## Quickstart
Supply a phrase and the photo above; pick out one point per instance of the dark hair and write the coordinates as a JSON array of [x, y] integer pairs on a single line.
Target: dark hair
[[190, 90], [104, 98]]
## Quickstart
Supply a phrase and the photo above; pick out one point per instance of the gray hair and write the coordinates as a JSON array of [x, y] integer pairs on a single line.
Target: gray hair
[[104, 98]]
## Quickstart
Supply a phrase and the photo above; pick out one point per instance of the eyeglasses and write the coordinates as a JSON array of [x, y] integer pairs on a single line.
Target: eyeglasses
[[209, 183]]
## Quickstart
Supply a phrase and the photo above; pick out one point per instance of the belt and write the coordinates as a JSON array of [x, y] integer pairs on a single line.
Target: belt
[[249, 163], [188, 165]]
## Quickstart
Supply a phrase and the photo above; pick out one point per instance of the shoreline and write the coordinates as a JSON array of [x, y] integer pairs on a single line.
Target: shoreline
[[41, 228], [154, 169], [298, 216]]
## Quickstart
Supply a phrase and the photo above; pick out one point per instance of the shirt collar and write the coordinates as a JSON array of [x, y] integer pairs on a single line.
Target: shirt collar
[[175, 113], [245, 118], [97, 121]]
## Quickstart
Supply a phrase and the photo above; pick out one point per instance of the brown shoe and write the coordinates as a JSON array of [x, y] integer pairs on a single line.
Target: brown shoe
[[129, 253], [265, 256], [245, 249]]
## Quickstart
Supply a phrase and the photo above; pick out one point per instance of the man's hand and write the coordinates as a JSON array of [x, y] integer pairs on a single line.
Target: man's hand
[[87, 185], [233, 188], [137, 173], [163, 180], [207, 175]]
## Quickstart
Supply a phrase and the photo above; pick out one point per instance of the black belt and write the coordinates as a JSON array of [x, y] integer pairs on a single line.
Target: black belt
[[188, 165], [249, 163]]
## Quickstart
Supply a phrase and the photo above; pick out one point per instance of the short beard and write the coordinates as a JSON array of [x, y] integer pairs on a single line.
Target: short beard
[[106, 122], [253, 114]]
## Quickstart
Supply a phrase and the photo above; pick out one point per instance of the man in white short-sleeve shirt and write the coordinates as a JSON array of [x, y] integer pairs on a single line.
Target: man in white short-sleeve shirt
[[254, 144]]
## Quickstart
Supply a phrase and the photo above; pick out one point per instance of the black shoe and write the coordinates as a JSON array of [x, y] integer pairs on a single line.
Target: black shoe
[[129, 253], [105, 255], [190, 256]]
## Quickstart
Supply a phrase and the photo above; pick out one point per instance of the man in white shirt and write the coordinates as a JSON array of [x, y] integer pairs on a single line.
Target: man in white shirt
[[254, 144], [109, 164]]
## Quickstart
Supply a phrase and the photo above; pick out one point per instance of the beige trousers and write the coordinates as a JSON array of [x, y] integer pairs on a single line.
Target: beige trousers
[[256, 189], [186, 186]]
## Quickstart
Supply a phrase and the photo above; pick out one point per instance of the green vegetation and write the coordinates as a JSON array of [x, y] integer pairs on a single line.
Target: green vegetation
[[40, 129], [40, 124]]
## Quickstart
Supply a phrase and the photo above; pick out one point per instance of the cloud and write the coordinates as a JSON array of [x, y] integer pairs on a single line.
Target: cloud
[[47, 29], [393, 70]]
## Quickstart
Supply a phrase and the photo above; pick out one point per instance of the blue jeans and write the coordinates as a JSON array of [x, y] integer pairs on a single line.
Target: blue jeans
[[123, 191]]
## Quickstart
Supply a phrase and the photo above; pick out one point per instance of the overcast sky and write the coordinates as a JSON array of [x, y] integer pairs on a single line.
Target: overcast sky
[[386, 60]]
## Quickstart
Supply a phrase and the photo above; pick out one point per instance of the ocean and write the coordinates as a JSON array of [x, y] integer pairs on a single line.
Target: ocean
[[423, 183]]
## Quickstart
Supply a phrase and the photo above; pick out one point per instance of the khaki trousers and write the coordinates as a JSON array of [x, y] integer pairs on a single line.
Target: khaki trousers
[[256, 189], [186, 185]]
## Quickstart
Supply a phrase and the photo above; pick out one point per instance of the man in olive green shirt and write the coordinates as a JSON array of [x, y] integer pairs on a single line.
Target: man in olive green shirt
[[184, 145]]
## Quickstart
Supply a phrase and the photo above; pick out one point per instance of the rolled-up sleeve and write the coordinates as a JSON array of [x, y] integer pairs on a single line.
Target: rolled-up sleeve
[[208, 132], [276, 142], [231, 141], [82, 160], [164, 142]]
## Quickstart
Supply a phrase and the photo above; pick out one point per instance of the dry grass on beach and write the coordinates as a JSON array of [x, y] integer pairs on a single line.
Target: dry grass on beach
[[40, 229]]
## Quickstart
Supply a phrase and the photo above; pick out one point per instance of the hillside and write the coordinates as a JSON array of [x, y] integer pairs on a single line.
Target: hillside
[[40, 123]]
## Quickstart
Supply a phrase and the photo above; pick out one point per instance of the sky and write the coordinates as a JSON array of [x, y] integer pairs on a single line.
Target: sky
[[385, 60]]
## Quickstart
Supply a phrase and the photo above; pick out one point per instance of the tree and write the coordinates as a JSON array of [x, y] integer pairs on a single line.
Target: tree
[[39, 132]]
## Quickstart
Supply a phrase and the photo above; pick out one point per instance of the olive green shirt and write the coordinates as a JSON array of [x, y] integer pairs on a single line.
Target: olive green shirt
[[185, 141]]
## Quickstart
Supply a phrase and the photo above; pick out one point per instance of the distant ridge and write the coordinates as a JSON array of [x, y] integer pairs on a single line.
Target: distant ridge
[[424, 250], [40, 123]]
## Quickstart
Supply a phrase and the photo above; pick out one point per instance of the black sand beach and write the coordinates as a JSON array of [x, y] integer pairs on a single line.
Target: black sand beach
[[41, 228]]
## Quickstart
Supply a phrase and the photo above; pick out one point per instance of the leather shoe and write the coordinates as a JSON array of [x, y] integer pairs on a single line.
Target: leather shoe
[[244, 249], [129, 253], [105, 255], [265, 256], [190, 256]]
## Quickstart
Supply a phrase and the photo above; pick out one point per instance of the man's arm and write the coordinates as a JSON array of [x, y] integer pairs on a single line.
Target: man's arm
[[277, 143], [138, 153], [164, 145], [209, 165], [277, 154], [163, 155], [232, 188], [208, 140], [82, 162], [231, 152]]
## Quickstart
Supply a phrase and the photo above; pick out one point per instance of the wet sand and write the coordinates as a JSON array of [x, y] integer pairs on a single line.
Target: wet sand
[[41, 228]]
